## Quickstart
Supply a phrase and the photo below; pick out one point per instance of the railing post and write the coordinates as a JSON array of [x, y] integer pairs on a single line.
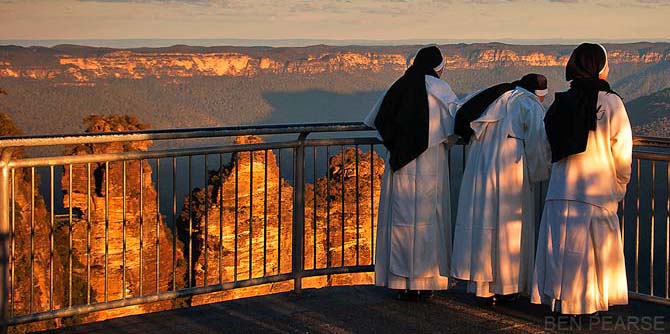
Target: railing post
[[299, 213], [4, 238]]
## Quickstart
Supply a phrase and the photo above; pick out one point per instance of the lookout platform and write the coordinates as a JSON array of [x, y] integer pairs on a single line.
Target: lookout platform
[[368, 309]]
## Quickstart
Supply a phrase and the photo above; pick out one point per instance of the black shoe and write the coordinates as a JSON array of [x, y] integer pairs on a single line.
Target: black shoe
[[484, 301], [414, 295], [403, 295], [504, 299], [425, 295]]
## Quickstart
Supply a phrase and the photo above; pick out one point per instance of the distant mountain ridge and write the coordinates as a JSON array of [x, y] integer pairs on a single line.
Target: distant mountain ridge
[[83, 64]]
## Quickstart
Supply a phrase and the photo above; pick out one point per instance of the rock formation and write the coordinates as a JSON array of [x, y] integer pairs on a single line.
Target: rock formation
[[346, 201], [241, 226], [264, 229], [31, 216], [212, 215], [101, 205]]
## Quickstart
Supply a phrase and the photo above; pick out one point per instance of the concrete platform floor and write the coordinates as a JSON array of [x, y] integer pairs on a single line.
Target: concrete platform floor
[[368, 309]]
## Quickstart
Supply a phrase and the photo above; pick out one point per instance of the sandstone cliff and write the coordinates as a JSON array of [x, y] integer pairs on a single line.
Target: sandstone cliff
[[82, 65], [256, 231], [341, 210], [31, 216], [147, 235], [265, 229]]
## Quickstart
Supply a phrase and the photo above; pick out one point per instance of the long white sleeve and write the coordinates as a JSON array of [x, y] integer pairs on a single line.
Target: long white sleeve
[[536, 145], [440, 98], [622, 145]]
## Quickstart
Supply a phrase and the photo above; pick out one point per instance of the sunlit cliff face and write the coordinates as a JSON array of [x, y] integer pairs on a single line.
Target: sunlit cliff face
[[135, 65]]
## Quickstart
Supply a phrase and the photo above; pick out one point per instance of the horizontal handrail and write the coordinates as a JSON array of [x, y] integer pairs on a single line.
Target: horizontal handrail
[[648, 141], [210, 132], [137, 155], [181, 133], [650, 155], [101, 306]]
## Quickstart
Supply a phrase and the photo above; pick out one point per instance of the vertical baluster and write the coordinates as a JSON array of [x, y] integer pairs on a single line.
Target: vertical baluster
[[314, 206], [342, 203], [251, 211], [220, 185], [69, 237], [206, 189], [106, 227], [51, 237], [123, 226], [158, 225], [265, 214], [141, 227], [358, 225], [667, 233], [637, 230], [13, 246], [32, 236], [190, 224], [88, 233], [372, 203], [653, 214], [174, 223], [279, 200], [298, 231], [328, 207], [237, 202], [5, 237]]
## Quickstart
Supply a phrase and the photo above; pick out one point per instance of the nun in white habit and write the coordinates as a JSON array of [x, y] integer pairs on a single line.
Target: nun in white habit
[[494, 237], [579, 267], [414, 228]]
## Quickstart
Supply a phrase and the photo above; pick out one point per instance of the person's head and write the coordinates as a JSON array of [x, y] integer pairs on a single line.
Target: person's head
[[588, 61], [605, 72], [534, 83], [429, 59]]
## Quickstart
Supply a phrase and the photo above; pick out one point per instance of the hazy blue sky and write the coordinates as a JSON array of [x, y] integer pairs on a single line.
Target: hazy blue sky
[[336, 19]]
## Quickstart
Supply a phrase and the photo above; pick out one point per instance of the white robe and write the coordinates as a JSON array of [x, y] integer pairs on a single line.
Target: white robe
[[494, 236], [579, 266], [414, 223]]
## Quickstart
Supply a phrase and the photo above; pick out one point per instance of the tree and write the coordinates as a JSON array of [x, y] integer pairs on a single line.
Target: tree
[[2, 92]]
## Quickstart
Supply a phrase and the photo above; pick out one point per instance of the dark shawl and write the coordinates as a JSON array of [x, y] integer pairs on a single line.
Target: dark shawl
[[403, 117], [477, 105], [573, 114]]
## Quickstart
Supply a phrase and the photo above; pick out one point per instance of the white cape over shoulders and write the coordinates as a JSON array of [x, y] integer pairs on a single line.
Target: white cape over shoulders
[[495, 226]]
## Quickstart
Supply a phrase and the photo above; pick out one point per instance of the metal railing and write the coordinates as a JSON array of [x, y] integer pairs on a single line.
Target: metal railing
[[114, 226], [316, 216], [645, 221]]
